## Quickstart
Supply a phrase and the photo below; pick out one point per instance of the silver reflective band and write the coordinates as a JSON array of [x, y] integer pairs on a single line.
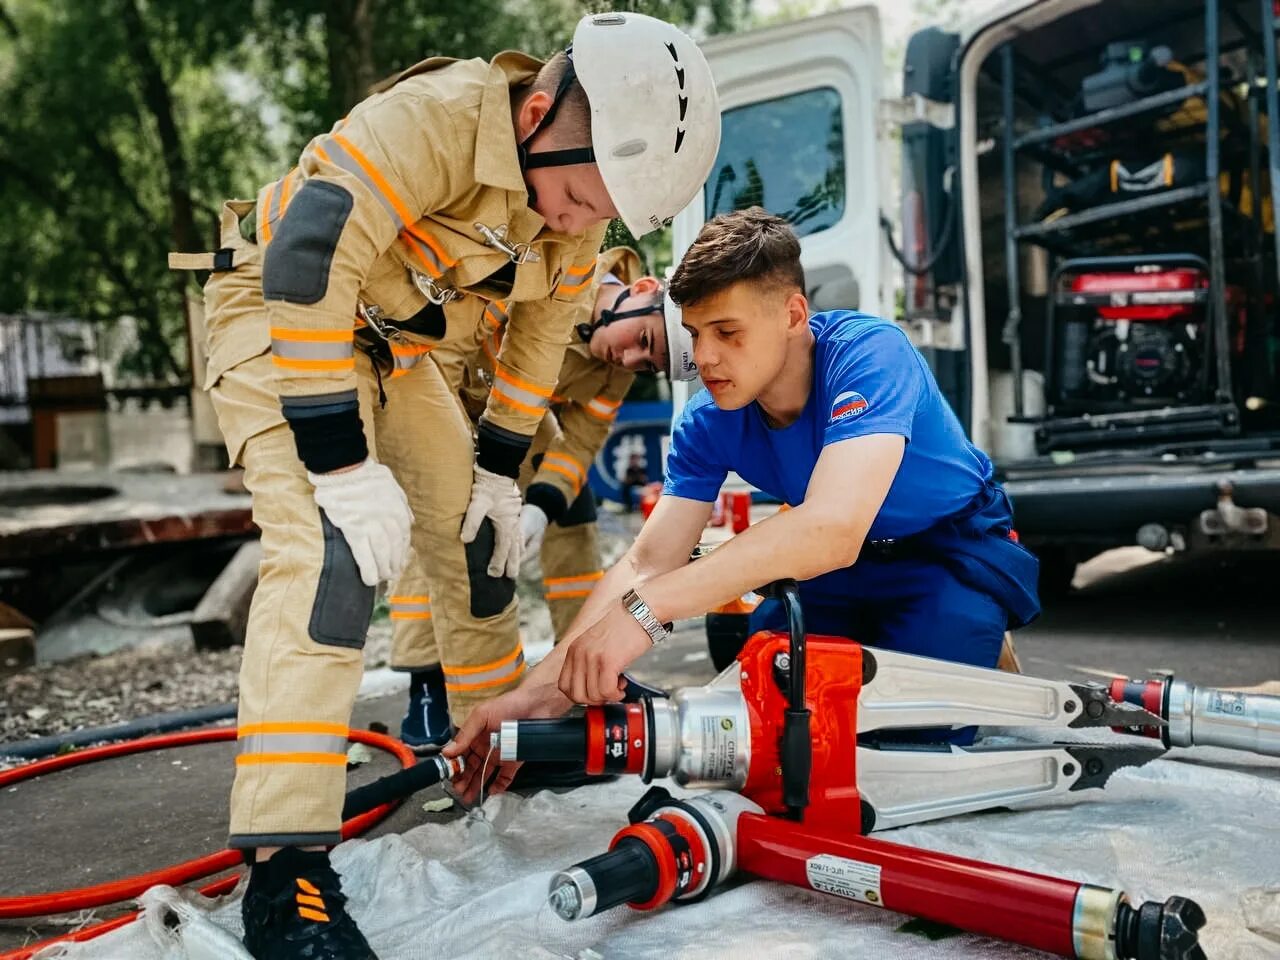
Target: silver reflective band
[[644, 616]]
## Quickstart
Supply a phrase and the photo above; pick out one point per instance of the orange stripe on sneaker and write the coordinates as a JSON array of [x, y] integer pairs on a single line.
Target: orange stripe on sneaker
[[313, 915]]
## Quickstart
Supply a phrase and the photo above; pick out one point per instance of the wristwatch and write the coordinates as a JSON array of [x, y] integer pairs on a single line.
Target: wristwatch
[[655, 628]]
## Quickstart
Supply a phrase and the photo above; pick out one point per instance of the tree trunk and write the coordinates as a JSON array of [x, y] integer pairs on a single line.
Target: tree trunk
[[158, 101], [349, 43]]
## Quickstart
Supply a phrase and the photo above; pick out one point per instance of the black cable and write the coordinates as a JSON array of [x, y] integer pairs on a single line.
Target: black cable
[[941, 245]]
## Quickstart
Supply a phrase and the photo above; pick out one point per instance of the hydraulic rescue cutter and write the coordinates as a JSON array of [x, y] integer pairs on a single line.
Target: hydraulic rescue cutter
[[785, 737], [793, 725]]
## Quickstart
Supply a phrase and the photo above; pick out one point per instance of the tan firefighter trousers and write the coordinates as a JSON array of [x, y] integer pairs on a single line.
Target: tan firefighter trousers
[[310, 613], [478, 670]]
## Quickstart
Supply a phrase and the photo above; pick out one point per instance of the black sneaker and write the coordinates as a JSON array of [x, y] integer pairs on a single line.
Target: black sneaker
[[294, 909]]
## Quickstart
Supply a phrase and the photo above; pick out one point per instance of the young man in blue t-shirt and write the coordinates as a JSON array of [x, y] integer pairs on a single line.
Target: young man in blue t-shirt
[[898, 535]]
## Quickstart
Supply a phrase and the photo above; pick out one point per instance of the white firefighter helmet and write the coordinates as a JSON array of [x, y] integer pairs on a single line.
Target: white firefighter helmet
[[655, 116], [680, 365]]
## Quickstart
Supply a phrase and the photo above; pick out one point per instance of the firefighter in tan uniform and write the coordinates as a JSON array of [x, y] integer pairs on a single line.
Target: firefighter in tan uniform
[[457, 185], [626, 333]]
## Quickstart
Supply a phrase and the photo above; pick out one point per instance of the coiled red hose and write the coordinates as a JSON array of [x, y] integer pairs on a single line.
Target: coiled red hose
[[179, 873]]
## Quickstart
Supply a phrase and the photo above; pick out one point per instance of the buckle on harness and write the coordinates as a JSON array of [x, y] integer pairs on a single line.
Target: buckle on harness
[[223, 260], [433, 291], [373, 316], [496, 237]]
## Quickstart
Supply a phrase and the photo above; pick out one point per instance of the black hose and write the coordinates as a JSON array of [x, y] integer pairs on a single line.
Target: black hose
[[141, 727], [939, 246], [396, 786]]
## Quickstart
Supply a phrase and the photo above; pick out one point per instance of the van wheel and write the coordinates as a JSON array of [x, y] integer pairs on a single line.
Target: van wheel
[[726, 636], [1057, 570]]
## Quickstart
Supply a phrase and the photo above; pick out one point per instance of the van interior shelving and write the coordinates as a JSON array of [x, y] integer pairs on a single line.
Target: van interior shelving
[[1129, 255]]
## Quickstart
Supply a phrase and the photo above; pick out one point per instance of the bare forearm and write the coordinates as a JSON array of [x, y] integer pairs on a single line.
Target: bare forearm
[[798, 543]]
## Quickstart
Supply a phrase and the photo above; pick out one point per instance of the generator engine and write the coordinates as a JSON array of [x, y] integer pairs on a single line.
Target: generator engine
[[1135, 337]]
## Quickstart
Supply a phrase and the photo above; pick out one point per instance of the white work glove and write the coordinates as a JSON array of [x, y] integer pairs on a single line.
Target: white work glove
[[533, 525], [496, 497], [372, 512]]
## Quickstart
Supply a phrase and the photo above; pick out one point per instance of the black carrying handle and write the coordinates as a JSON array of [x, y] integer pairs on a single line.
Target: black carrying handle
[[634, 691], [796, 750]]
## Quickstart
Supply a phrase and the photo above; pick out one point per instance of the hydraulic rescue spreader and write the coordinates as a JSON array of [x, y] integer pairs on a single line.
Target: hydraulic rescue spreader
[[797, 735]]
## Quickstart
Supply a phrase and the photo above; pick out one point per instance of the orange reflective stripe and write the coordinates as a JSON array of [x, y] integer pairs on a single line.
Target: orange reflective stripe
[[576, 288], [567, 594], [331, 729], [322, 759], [313, 915], [602, 408], [495, 313], [376, 176], [563, 471], [264, 208], [486, 683], [503, 374], [335, 365], [517, 405], [308, 887], [310, 901], [552, 581], [567, 460], [312, 335], [576, 278], [494, 665], [284, 190]]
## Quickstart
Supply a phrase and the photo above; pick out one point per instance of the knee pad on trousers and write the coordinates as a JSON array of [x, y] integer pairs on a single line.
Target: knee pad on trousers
[[489, 595], [582, 510], [343, 604]]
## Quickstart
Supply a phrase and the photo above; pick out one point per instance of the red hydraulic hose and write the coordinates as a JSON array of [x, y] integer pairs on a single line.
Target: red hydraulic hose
[[175, 875]]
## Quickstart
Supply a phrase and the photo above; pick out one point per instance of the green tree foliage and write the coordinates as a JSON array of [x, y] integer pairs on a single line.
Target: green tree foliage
[[125, 123]]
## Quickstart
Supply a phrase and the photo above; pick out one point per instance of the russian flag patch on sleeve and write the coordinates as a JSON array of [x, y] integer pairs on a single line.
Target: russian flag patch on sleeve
[[848, 405]]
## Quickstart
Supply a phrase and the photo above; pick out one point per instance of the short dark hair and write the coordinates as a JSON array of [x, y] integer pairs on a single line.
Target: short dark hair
[[573, 116], [746, 245]]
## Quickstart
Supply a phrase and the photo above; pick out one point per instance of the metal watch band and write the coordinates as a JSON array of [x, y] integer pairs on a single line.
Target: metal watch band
[[644, 616]]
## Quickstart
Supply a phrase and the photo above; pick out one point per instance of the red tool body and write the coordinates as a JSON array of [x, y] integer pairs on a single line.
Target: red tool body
[[677, 850], [780, 729]]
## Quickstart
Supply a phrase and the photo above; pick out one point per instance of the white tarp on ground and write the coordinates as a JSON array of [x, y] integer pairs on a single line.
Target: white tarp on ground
[[475, 888]]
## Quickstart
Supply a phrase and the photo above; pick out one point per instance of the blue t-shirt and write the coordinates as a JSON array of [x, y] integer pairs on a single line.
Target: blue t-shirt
[[868, 379]]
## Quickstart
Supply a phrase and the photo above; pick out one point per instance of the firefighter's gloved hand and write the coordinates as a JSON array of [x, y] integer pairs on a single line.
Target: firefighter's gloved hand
[[496, 497], [372, 512], [533, 526]]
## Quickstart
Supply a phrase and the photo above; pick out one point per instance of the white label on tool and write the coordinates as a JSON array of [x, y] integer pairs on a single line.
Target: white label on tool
[[719, 748], [1224, 701], [851, 879]]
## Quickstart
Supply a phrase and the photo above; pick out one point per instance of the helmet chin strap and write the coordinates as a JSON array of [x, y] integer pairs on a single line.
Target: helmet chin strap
[[552, 158], [612, 314]]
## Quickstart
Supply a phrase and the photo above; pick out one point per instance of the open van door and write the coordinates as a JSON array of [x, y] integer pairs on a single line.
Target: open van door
[[799, 110]]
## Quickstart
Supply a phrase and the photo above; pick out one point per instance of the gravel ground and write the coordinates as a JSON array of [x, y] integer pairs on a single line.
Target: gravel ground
[[113, 688]]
